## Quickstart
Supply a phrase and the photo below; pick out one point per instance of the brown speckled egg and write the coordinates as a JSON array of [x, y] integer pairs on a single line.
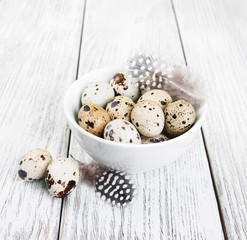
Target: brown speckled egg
[[162, 98], [157, 139], [120, 108], [33, 164], [126, 85], [62, 176], [179, 117], [122, 131], [93, 118], [148, 118]]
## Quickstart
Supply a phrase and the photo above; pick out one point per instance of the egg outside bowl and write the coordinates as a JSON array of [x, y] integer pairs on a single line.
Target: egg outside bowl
[[131, 158]]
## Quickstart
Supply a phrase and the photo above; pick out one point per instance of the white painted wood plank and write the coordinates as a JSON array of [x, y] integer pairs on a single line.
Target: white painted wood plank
[[176, 202], [214, 36], [39, 45]]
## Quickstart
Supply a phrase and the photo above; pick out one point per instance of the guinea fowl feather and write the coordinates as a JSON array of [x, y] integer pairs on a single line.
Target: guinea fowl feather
[[92, 171], [111, 185], [184, 84], [169, 75]]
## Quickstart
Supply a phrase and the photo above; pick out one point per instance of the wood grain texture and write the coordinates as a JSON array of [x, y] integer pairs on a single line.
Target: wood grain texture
[[214, 37], [39, 44], [176, 202]]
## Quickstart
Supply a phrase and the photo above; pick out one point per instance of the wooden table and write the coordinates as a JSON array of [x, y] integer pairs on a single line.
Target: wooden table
[[46, 45]]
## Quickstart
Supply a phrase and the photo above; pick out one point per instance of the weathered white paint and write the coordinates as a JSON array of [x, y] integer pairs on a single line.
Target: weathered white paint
[[176, 202], [39, 44], [214, 36]]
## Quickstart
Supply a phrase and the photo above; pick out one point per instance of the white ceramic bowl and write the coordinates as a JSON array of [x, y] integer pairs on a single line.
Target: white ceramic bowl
[[132, 158]]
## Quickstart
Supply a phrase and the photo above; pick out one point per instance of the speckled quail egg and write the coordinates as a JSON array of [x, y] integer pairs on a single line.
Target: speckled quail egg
[[33, 164], [148, 118], [161, 97], [126, 85], [120, 108], [179, 117], [93, 118], [157, 139], [119, 130], [99, 93], [62, 176]]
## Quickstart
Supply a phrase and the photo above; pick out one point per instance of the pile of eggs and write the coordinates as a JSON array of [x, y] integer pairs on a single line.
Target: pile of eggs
[[61, 175], [118, 112]]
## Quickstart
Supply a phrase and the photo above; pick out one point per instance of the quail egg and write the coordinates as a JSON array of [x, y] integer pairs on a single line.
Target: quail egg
[[161, 97], [179, 117], [122, 131], [93, 118], [148, 118], [62, 176], [120, 108], [33, 164], [156, 139], [99, 93], [126, 85]]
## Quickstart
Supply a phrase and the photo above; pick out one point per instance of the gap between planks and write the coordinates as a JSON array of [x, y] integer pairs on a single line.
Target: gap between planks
[[69, 137], [202, 133], [214, 186], [179, 33]]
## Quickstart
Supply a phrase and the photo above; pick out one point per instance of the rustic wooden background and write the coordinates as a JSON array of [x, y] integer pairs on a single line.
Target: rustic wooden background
[[45, 45]]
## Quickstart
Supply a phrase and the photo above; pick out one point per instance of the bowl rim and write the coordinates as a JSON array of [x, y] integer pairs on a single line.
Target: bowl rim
[[196, 125]]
